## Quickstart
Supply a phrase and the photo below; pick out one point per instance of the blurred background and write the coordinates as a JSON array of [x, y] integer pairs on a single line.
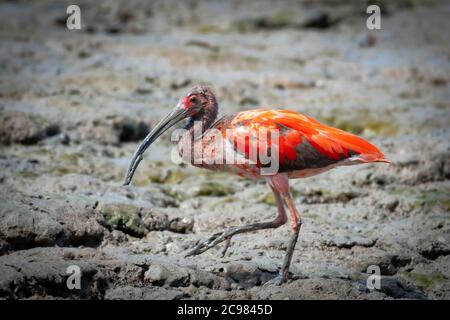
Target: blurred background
[[74, 104]]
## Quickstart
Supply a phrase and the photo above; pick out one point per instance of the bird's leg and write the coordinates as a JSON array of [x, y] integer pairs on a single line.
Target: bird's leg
[[296, 223], [281, 183], [225, 248], [228, 233]]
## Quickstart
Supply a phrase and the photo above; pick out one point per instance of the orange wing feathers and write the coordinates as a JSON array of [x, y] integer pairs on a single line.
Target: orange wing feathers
[[331, 142]]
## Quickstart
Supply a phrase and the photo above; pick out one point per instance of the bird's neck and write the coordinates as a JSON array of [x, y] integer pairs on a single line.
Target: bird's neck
[[196, 127]]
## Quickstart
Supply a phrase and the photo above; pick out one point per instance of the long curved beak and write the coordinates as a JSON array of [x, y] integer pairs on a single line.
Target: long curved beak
[[170, 120]]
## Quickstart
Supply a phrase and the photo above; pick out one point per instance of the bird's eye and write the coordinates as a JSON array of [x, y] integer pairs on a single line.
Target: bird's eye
[[193, 99]]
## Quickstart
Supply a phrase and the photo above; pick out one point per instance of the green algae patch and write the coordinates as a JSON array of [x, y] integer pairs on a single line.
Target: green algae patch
[[362, 122], [61, 170], [221, 202], [174, 176], [72, 162], [159, 175], [214, 189], [417, 199], [71, 158], [434, 197], [267, 198], [174, 193], [28, 174], [311, 215], [207, 29], [69, 162], [124, 217], [84, 163], [424, 281]]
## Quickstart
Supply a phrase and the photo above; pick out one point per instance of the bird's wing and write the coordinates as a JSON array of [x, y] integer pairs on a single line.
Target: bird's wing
[[303, 142]]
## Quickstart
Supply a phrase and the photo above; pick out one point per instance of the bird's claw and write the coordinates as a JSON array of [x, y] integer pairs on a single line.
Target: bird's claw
[[277, 281], [214, 240]]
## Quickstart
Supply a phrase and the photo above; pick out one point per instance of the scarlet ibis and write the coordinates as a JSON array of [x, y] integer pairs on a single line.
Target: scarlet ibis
[[304, 147]]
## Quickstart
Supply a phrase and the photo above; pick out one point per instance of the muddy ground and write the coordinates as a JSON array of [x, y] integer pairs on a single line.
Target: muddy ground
[[75, 104]]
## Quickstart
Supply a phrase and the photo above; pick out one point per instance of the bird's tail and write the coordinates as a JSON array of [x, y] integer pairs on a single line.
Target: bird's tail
[[371, 157]]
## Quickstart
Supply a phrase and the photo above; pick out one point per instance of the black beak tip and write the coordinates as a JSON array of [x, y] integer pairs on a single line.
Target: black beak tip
[[127, 181], [132, 169]]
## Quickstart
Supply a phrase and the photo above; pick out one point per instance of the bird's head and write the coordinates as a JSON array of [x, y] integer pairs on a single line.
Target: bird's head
[[196, 101], [198, 104]]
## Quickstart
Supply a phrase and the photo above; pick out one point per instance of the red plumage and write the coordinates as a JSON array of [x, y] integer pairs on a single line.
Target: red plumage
[[334, 144]]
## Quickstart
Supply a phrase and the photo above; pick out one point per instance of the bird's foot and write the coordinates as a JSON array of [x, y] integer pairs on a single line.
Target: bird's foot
[[281, 278], [214, 240]]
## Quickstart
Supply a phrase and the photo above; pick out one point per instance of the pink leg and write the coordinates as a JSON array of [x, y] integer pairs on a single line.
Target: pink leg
[[280, 183]]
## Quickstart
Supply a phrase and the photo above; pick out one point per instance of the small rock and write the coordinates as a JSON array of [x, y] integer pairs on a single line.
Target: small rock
[[133, 220], [181, 225], [398, 288], [167, 274], [119, 236], [432, 249], [124, 217], [155, 220]]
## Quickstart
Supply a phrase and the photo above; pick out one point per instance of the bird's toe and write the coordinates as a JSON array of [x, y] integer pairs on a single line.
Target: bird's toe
[[277, 281]]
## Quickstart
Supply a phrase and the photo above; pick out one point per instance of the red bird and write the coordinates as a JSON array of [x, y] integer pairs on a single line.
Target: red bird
[[298, 147]]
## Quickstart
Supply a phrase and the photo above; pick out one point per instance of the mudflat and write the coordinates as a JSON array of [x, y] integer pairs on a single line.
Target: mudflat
[[75, 104]]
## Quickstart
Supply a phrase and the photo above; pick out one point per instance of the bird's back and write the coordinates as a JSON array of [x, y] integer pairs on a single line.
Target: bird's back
[[305, 146]]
